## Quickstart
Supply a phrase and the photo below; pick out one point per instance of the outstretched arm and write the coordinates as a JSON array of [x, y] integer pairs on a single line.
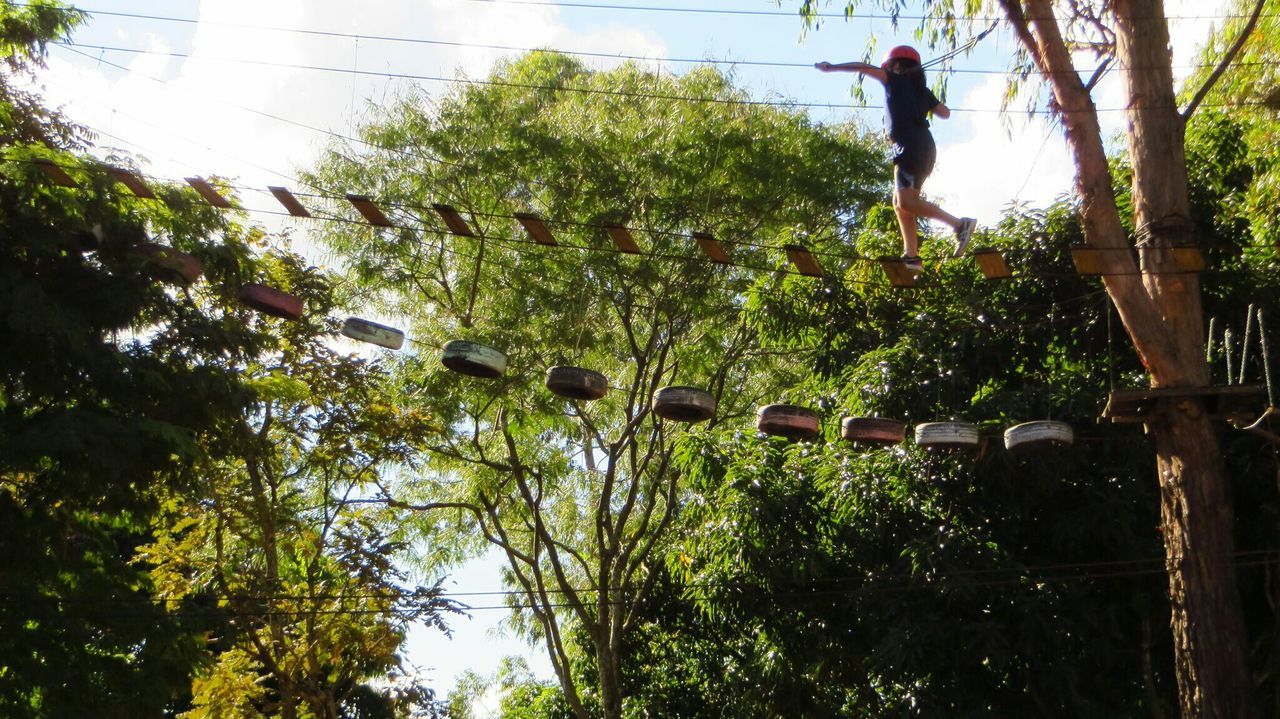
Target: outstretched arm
[[858, 67]]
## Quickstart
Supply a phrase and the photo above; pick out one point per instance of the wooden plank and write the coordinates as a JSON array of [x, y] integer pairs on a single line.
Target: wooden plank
[[897, 271], [208, 192], [1189, 258], [804, 260], [1089, 260], [453, 220], [711, 248], [1227, 401], [286, 198], [536, 228], [622, 239], [370, 211], [992, 264], [55, 173], [132, 181]]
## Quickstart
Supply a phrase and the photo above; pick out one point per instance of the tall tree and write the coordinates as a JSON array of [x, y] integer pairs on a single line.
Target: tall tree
[[1159, 304], [108, 378], [578, 495], [283, 542], [131, 402]]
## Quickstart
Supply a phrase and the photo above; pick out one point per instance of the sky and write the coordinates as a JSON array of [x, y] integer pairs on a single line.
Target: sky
[[226, 93]]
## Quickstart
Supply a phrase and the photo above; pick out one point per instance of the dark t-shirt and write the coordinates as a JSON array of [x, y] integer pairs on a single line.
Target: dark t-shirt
[[907, 108]]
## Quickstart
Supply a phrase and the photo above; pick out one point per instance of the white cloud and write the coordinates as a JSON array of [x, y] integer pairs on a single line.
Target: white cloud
[[990, 167], [201, 115], [993, 166]]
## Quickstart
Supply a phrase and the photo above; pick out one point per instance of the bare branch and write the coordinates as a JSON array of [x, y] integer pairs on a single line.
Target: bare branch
[[543, 610], [1226, 61], [1022, 28], [540, 530], [1098, 73]]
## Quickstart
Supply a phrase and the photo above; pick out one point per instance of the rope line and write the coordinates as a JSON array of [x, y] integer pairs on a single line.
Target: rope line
[[612, 93], [444, 231], [524, 49]]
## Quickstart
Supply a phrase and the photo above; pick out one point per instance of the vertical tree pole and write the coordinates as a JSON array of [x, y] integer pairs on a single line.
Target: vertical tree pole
[[1161, 311], [1207, 623]]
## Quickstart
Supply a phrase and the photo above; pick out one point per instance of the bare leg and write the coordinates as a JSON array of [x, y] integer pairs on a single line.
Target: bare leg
[[907, 225], [908, 200]]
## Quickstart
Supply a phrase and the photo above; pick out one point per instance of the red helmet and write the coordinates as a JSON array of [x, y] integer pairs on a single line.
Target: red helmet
[[901, 52]]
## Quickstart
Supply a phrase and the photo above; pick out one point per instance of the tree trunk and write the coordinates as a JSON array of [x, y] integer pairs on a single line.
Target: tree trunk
[[610, 682], [1208, 631], [1207, 623], [1161, 312]]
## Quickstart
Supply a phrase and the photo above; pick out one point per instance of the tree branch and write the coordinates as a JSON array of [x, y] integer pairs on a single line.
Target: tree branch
[[1224, 63], [1022, 28], [1098, 73]]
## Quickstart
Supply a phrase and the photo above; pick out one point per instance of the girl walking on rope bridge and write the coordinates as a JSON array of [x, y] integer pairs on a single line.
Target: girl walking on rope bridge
[[909, 102]]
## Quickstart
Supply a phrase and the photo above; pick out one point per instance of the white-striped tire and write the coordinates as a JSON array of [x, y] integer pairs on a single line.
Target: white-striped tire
[[947, 435], [373, 333], [1038, 435], [473, 359]]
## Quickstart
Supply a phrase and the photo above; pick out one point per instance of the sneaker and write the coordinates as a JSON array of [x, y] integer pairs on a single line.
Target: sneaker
[[912, 263], [964, 233]]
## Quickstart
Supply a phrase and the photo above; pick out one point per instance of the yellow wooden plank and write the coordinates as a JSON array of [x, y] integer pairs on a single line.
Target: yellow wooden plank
[[1189, 259], [208, 192], [711, 248], [132, 181], [804, 260], [290, 202], [992, 264], [536, 228], [453, 220], [1089, 260], [370, 211], [622, 239], [897, 271], [55, 173]]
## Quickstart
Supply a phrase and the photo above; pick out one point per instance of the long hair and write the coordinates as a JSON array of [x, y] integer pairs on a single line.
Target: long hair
[[913, 70]]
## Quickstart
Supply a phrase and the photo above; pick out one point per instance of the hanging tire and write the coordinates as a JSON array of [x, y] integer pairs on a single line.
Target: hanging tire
[[873, 430], [90, 239], [373, 333], [270, 301], [947, 435], [577, 383], [684, 404], [1031, 436], [169, 265], [473, 359], [788, 420]]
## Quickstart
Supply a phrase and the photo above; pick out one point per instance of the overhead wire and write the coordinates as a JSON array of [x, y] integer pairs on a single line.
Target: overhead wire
[[660, 255], [782, 13], [523, 49], [600, 91], [693, 10], [843, 256], [446, 162], [288, 121], [341, 136], [334, 196], [890, 584]]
